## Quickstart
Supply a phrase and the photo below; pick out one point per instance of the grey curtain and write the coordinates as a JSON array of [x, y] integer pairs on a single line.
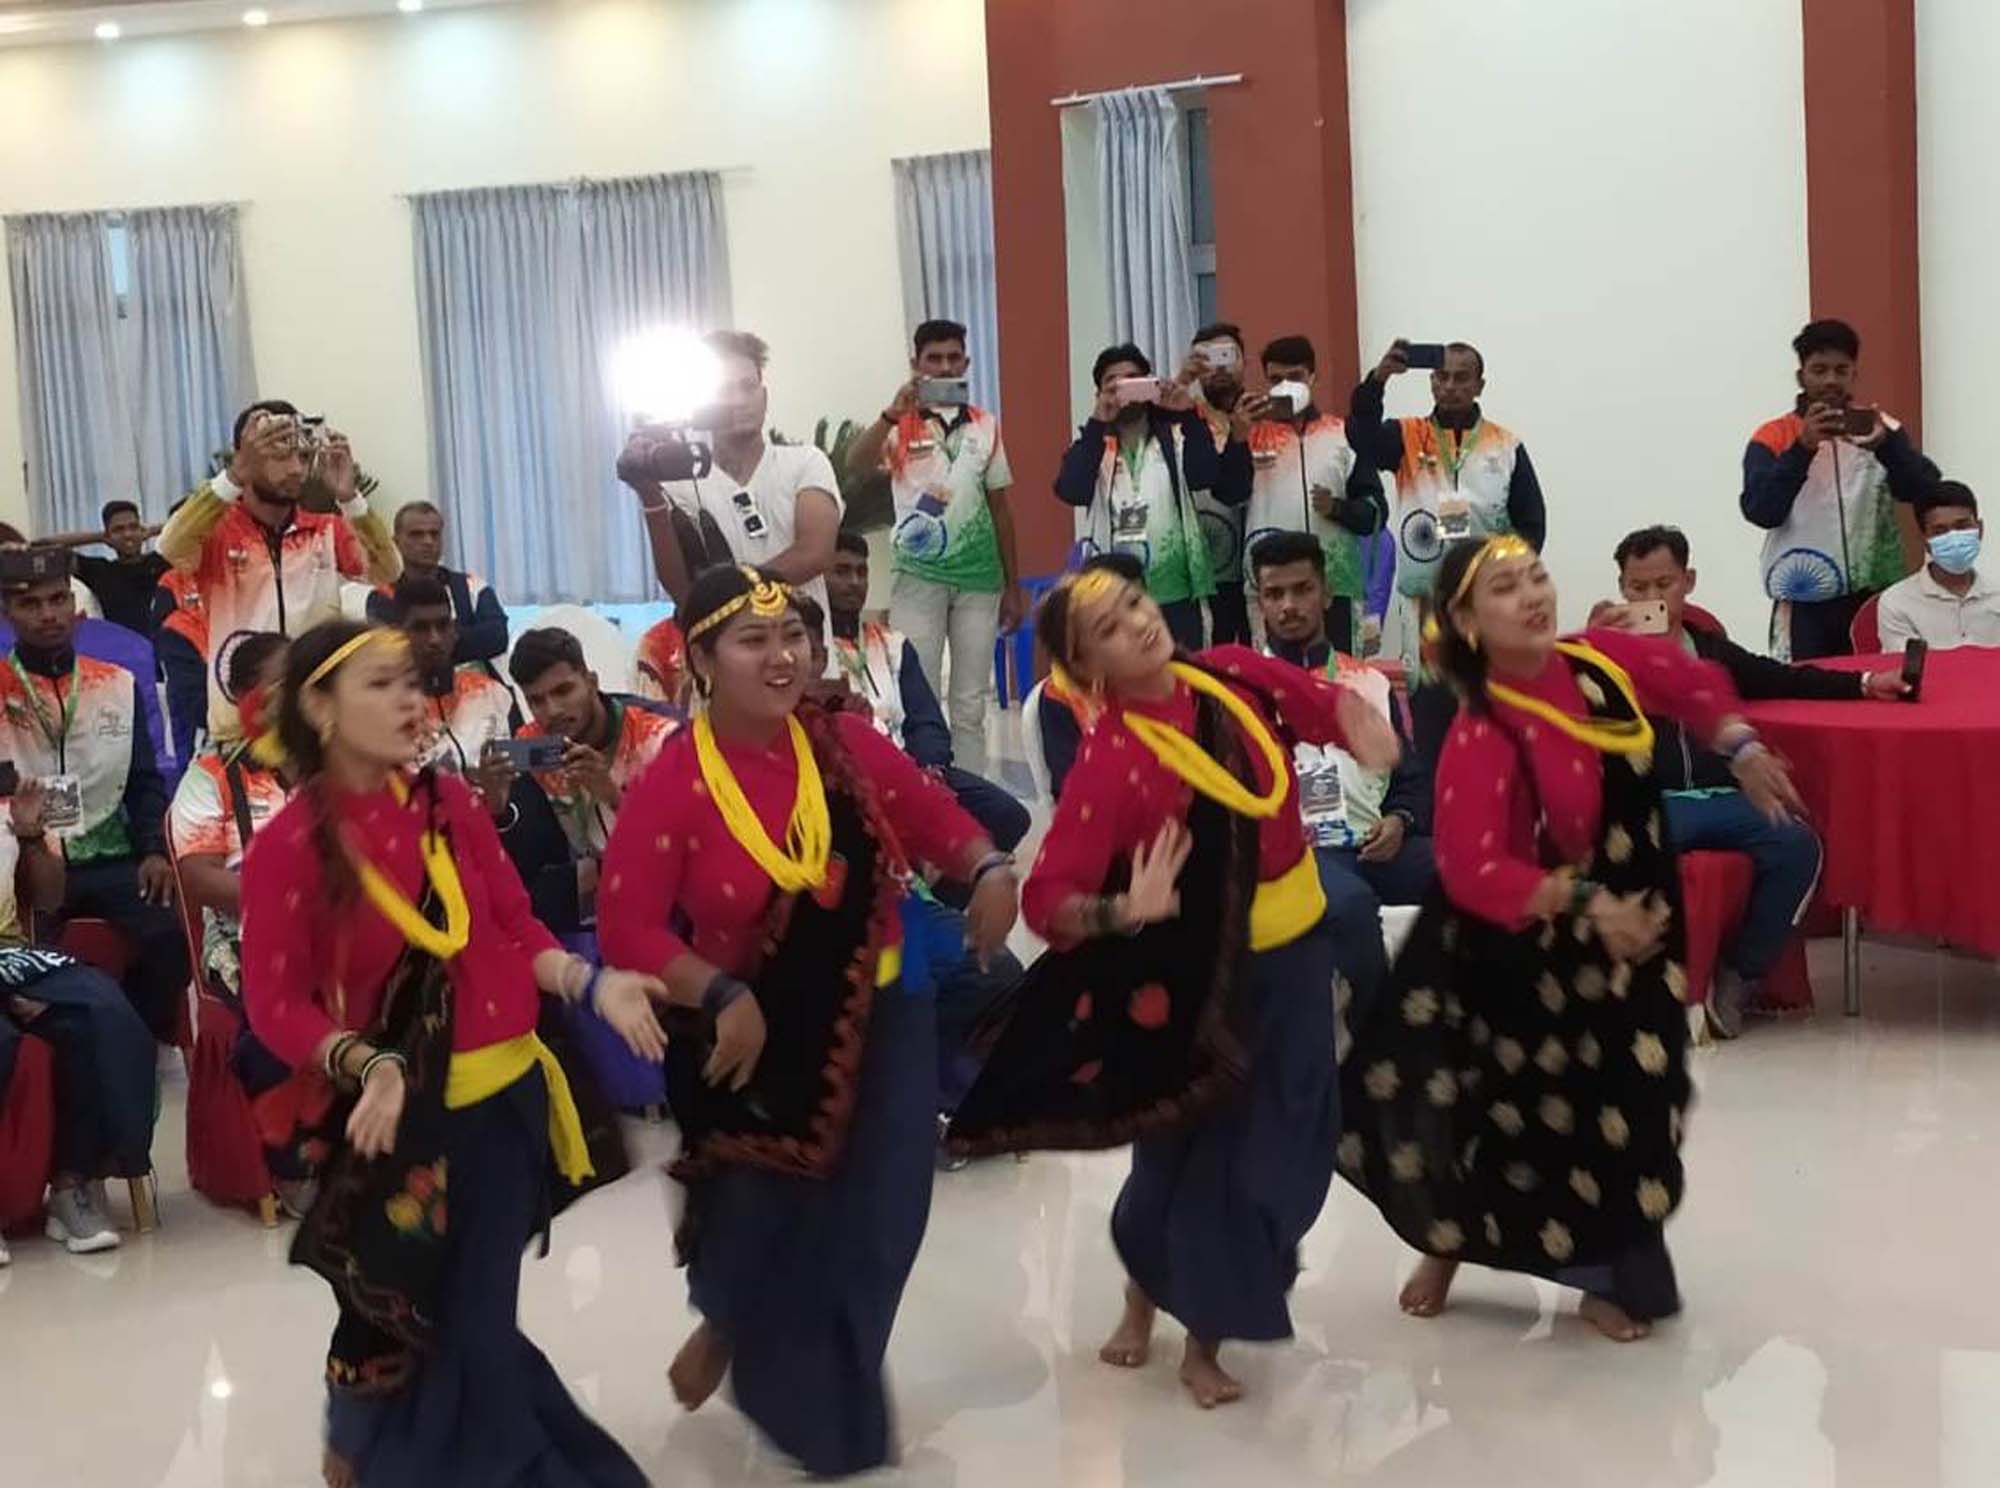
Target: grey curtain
[[188, 366], [944, 238], [1142, 199], [75, 425], [524, 295]]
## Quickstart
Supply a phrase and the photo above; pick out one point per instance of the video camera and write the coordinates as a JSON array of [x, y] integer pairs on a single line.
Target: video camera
[[669, 379], [663, 452]]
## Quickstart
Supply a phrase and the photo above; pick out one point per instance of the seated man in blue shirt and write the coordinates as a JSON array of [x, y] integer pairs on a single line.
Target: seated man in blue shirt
[[1369, 829]]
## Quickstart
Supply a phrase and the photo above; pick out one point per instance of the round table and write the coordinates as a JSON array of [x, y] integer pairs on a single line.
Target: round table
[[1906, 797]]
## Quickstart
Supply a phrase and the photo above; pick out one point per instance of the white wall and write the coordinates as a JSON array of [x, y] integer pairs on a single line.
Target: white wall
[[317, 128], [1608, 198], [1958, 119]]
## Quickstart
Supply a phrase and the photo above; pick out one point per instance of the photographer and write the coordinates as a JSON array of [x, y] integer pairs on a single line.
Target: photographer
[[1219, 350], [260, 562], [1131, 473], [1305, 478], [773, 505], [74, 724]]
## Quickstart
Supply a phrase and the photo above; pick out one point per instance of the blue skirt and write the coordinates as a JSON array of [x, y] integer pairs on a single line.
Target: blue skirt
[[486, 1409], [1210, 1220], [802, 1277]]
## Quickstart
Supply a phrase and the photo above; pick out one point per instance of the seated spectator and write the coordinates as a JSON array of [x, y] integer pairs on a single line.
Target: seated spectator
[[661, 666], [883, 668], [103, 1054], [465, 709], [74, 723], [1131, 473], [259, 561], [418, 531], [1826, 498], [123, 583], [1369, 828], [610, 739], [226, 795], [1705, 810], [1948, 602]]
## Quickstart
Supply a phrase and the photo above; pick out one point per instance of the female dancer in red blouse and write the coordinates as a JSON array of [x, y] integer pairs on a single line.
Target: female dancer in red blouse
[[806, 1086], [391, 958], [1518, 1098], [1186, 1005]]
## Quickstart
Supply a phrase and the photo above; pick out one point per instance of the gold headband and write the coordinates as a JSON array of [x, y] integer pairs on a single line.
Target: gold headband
[[348, 647], [767, 599], [1505, 545]]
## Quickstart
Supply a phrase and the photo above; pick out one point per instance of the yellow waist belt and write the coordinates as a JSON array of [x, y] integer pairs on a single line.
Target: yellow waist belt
[[1286, 907], [479, 1073]]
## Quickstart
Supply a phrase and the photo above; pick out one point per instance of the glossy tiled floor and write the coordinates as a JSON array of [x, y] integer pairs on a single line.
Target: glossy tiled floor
[[1836, 1249]]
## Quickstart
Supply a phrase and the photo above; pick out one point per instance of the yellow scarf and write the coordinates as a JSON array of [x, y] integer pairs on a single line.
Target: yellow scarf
[[801, 864], [1193, 764], [1632, 735], [443, 875]]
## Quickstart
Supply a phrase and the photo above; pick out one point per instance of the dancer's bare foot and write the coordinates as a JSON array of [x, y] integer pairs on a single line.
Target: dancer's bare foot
[[1205, 1378], [1613, 1321], [1131, 1344], [698, 1368], [335, 1471], [1424, 1294]]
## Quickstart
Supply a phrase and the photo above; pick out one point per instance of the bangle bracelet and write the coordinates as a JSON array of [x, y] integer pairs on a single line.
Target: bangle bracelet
[[720, 993], [655, 508], [336, 1052], [582, 985], [589, 998], [381, 1056]]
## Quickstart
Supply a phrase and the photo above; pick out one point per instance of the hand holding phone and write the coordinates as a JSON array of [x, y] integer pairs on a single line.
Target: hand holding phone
[[1428, 355], [944, 392], [1129, 390], [1648, 617]]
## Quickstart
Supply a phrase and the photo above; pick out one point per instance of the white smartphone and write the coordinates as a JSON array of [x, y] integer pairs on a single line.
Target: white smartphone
[[1130, 390], [1221, 356]]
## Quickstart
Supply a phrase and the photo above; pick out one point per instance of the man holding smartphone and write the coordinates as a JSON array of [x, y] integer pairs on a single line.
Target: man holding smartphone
[[1218, 352], [1459, 476], [1822, 482], [1704, 808], [773, 505], [957, 581]]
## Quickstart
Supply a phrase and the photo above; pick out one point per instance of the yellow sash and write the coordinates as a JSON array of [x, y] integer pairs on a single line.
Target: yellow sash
[[477, 1074], [1288, 906]]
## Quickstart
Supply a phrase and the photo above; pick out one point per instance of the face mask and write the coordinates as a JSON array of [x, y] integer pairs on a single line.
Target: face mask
[[1956, 552]]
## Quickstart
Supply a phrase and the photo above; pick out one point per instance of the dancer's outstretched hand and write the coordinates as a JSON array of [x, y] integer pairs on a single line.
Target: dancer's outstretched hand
[[991, 912], [1368, 736], [625, 1001], [1154, 893], [739, 1044]]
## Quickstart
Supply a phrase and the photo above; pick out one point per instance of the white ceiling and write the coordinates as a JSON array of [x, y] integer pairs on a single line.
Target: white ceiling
[[60, 22]]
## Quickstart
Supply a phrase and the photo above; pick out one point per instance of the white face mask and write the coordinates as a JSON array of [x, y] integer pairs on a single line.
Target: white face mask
[[1300, 394]]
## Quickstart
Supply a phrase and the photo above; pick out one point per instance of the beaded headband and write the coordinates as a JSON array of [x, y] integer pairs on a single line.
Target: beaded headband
[[766, 598], [1506, 545], [347, 648]]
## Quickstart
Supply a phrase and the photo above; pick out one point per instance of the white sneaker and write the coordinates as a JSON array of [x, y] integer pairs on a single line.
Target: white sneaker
[[78, 1223]]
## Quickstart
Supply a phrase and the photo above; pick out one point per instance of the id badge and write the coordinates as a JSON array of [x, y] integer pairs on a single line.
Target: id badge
[[1128, 523], [62, 797], [1454, 518], [1323, 803]]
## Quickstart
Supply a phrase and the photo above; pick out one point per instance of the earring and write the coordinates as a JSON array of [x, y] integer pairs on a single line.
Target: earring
[[326, 733], [1471, 641]]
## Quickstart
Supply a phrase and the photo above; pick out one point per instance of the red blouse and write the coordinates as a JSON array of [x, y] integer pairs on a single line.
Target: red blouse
[[670, 851], [1118, 795], [308, 972], [1499, 830]]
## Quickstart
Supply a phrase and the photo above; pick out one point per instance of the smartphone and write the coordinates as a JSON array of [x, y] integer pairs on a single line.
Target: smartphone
[[1425, 354], [1221, 356], [1858, 423], [536, 752], [1130, 390], [10, 778], [1649, 617], [1915, 654], [1289, 399], [944, 392]]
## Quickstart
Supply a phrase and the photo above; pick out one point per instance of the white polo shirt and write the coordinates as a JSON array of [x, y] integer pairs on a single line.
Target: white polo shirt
[[757, 518], [1920, 608]]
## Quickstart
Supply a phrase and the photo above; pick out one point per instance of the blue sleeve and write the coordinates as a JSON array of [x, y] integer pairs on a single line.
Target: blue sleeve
[[1076, 477], [1061, 739], [1911, 473], [926, 739], [1201, 468], [1526, 509], [1771, 482], [486, 637], [1378, 441], [145, 789], [1380, 552]]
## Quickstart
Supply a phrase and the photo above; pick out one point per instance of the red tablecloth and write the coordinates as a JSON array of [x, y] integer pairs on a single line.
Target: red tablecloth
[[1907, 797]]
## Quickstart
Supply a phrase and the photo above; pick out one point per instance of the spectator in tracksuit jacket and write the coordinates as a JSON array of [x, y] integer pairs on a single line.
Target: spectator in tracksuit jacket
[[1704, 808], [1826, 499]]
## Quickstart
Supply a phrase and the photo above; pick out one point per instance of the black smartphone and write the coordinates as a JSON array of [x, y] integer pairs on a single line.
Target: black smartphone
[[537, 752], [1426, 354], [1858, 423], [1915, 654], [10, 778]]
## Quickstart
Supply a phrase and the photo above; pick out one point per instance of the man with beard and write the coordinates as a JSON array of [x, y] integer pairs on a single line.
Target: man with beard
[[260, 562], [1218, 351]]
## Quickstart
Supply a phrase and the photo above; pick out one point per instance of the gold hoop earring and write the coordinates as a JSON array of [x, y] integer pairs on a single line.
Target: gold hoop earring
[[326, 734]]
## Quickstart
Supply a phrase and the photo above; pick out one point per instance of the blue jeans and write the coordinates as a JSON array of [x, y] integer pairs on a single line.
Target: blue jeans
[[1355, 893], [1785, 858]]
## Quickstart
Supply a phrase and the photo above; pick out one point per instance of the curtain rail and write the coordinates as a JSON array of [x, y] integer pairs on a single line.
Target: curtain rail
[[1179, 85]]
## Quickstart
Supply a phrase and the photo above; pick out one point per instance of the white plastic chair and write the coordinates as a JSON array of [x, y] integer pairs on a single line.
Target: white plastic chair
[[607, 650], [1031, 740]]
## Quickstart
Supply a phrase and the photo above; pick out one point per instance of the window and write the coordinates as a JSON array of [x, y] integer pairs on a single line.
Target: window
[[119, 241], [1201, 214]]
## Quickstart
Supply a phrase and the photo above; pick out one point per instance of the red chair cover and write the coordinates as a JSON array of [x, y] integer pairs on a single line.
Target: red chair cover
[[1715, 887], [224, 1157], [27, 1133]]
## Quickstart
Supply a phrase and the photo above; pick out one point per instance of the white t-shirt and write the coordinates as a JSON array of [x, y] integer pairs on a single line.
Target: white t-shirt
[[757, 518]]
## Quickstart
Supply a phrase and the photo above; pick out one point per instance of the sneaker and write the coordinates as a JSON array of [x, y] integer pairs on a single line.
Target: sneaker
[[1726, 1001], [75, 1219]]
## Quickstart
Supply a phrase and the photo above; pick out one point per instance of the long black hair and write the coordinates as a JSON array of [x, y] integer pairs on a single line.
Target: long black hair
[[1463, 665]]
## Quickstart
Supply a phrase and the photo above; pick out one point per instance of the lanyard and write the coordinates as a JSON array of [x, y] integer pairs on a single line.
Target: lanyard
[[1454, 458], [854, 661], [1134, 457], [58, 738]]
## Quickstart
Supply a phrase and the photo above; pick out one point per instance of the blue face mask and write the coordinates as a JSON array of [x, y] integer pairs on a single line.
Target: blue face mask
[[1956, 552]]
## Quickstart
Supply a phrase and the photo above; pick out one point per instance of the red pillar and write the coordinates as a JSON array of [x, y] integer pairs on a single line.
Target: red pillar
[[1861, 186], [1282, 182]]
